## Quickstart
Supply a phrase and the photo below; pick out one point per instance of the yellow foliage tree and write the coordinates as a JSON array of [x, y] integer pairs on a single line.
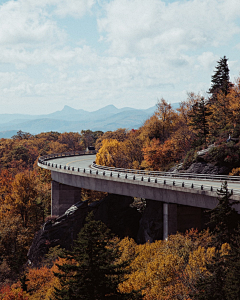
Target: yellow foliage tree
[[24, 195], [110, 153], [167, 269], [126, 154]]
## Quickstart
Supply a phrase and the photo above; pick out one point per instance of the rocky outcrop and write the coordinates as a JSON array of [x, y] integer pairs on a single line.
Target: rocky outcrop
[[59, 231], [207, 168], [114, 211]]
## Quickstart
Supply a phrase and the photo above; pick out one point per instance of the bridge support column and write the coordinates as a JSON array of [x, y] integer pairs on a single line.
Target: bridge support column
[[63, 196], [169, 219]]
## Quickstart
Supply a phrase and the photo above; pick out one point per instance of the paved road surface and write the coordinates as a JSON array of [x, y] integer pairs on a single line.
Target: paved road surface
[[85, 161]]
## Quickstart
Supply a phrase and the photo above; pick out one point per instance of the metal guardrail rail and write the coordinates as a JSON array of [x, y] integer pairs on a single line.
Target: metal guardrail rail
[[169, 174], [64, 154], [140, 175]]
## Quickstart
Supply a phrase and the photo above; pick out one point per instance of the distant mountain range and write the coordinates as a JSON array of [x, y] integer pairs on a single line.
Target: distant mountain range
[[70, 119]]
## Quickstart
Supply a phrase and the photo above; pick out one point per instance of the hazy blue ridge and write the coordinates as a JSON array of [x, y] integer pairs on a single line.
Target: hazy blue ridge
[[70, 119]]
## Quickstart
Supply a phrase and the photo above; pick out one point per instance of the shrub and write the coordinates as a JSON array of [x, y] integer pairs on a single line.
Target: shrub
[[235, 172]]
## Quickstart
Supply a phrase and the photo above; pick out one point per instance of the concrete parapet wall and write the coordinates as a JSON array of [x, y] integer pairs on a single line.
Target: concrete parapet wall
[[158, 192]]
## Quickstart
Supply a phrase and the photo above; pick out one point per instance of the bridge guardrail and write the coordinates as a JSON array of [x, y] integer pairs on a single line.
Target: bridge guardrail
[[139, 175], [64, 154], [169, 174]]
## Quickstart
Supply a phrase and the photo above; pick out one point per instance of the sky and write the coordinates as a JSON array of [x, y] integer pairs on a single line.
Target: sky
[[130, 53]]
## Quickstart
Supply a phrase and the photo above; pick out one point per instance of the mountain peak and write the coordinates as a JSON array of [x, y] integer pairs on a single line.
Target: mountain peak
[[67, 108]]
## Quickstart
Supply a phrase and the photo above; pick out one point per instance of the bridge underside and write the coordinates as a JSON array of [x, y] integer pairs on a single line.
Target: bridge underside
[[167, 211]]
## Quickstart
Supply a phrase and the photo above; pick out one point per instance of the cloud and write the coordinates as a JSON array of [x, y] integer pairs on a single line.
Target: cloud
[[139, 26], [207, 60], [22, 25], [152, 49], [75, 8], [31, 23]]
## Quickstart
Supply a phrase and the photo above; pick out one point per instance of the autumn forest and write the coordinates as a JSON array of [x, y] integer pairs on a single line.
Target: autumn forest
[[100, 265]]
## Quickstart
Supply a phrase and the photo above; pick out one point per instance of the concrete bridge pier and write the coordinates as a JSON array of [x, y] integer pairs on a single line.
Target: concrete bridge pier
[[63, 196], [170, 219]]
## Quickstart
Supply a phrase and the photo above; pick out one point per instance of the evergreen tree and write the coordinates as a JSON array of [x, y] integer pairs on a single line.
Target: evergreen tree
[[224, 218], [210, 287], [91, 271], [198, 119], [220, 80], [222, 281], [232, 281]]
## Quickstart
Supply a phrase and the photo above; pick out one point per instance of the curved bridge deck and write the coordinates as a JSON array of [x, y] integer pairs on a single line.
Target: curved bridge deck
[[73, 171]]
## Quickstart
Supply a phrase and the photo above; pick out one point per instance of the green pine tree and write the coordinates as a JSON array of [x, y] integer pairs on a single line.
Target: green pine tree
[[95, 274], [220, 80], [222, 282], [232, 282], [198, 117], [224, 218], [210, 287]]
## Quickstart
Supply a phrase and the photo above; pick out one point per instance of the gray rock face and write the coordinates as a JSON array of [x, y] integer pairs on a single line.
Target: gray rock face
[[60, 231], [206, 168], [113, 210]]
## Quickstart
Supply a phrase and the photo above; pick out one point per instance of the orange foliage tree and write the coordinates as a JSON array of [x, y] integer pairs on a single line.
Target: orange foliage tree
[[158, 155], [13, 292]]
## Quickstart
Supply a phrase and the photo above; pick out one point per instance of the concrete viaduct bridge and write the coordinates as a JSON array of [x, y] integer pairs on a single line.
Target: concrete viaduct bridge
[[182, 198]]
